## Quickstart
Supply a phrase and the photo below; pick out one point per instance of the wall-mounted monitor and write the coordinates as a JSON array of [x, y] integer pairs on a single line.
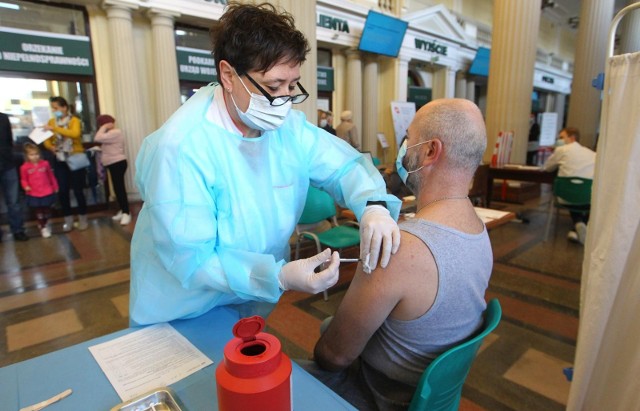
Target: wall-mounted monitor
[[382, 34]]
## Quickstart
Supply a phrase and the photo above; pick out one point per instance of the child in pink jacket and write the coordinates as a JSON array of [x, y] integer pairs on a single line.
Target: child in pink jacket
[[40, 186]]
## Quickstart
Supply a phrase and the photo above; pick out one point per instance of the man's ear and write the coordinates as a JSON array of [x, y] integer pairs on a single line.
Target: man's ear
[[432, 152], [225, 75]]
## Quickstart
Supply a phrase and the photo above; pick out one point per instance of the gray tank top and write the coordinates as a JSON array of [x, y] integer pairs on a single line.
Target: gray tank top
[[399, 351]]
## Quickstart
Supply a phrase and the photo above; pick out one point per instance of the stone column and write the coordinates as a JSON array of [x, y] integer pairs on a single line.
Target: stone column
[[303, 11], [370, 105], [353, 89], [444, 82], [471, 91], [126, 89], [630, 31], [559, 108], [340, 86], [165, 65], [402, 83], [591, 50], [513, 53], [461, 87], [450, 82]]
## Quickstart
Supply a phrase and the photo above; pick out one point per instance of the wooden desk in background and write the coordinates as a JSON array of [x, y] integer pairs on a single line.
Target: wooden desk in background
[[518, 173]]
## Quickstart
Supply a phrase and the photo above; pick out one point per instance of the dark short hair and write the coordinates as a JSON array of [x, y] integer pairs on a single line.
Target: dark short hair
[[257, 37], [59, 101], [572, 132]]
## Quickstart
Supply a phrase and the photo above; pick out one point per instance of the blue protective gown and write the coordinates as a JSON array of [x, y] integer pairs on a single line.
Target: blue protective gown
[[219, 208]]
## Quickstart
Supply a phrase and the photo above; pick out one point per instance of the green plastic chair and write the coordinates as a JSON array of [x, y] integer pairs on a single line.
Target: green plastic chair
[[440, 387], [569, 193], [319, 207]]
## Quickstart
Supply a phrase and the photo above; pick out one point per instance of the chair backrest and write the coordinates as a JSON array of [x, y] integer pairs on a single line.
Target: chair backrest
[[318, 206], [573, 190], [440, 386]]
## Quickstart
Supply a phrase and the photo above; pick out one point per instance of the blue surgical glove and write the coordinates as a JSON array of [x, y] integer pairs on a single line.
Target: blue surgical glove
[[300, 275], [379, 237]]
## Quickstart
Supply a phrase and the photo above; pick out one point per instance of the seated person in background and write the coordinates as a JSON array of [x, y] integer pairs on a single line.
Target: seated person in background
[[393, 323], [573, 160]]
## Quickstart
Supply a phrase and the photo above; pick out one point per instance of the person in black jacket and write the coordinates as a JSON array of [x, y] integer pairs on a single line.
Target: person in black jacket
[[9, 182]]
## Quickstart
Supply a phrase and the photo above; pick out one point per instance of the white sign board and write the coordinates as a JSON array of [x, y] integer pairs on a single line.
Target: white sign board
[[323, 104], [402, 113], [383, 140], [548, 129], [40, 115]]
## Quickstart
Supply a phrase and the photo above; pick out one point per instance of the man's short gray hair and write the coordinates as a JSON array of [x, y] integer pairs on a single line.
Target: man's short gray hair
[[458, 123]]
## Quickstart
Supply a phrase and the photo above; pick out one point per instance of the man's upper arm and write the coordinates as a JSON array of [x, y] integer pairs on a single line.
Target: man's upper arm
[[367, 304]]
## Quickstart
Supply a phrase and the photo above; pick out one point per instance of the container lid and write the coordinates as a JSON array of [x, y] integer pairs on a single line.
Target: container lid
[[247, 328]]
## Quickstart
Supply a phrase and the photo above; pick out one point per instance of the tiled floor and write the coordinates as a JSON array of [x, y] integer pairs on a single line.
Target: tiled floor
[[73, 287]]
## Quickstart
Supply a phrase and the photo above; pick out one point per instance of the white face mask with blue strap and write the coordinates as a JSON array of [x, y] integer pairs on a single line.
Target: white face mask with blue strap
[[260, 114], [403, 172]]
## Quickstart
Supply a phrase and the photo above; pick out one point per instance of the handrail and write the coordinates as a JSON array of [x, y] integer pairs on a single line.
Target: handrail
[[614, 26]]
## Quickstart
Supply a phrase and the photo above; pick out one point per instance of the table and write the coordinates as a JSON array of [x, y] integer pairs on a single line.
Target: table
[[40, 378], [494, 218], [531, 174]]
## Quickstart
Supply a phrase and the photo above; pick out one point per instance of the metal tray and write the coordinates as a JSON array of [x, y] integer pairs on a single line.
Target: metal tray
[[158, 400]]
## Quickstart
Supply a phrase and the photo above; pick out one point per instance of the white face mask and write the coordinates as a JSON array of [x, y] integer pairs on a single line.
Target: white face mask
[[260, 114], [323, 123]]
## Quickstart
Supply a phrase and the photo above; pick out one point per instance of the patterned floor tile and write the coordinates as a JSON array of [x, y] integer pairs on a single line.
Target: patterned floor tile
[[42, 329]]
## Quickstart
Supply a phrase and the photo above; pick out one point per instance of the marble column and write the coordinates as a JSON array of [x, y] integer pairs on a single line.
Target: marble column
[[370, 105], [402, 82], [513, 53], [591, 50], [126, 89], [450, 82], [471, 91], [306, 23], [165, 65], [461, 87], [560, 102], [353, 88], [630, 30], [340, 85]]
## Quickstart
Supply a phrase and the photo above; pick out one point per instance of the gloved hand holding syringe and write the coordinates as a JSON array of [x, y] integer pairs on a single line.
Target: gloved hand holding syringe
[[300, 275]]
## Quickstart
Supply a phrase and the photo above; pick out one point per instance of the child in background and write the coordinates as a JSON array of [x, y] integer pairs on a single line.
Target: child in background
[[40, 186]]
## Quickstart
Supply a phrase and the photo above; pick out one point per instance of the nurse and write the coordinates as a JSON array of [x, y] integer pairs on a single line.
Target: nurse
[[225, 179]]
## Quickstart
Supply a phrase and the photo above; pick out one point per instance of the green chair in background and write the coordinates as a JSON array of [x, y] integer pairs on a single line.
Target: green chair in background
[[440, 387], [569, 193], [319, 207]]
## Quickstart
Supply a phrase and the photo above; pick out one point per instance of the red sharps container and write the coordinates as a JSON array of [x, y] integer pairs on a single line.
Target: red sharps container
[[255, 374]]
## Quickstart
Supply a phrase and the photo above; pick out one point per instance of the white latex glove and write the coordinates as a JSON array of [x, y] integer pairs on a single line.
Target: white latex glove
[[377, 231], [299, 275]]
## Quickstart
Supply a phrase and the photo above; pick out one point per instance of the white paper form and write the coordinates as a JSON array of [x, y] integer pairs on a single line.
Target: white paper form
[[38, 135], [153, 357], [488, 214]]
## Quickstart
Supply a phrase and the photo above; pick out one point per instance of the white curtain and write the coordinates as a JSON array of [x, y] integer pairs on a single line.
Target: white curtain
[[607, 363]]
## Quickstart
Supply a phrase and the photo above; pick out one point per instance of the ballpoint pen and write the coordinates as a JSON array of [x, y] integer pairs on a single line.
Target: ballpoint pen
[[350, 260]]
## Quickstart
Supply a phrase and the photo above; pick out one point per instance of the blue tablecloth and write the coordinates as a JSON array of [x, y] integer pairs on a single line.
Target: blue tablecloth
[[40, 378]]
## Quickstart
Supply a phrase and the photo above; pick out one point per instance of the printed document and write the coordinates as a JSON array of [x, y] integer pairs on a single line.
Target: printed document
[[38, 135], [153, 357], [489, 214]]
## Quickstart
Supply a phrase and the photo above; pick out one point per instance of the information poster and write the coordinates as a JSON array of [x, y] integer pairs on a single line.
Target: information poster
[[548, 129], [402, 113]]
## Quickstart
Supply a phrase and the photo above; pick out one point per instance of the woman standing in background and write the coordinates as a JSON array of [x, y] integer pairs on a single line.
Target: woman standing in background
[[67, 140], [115, 161]]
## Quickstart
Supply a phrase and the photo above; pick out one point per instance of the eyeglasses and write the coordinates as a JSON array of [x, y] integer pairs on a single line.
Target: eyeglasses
[[280, 100]]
